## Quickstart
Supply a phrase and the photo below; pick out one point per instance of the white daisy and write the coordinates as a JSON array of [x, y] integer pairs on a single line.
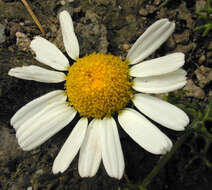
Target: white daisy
[[97, 86]]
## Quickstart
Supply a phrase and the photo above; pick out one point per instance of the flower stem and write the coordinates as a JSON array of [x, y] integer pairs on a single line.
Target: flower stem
[[163, 161]]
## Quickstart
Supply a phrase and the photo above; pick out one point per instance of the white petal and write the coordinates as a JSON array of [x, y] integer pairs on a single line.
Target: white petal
[[35, 106], [144, 132], [69, 38], [161, 112], [169, 145], [158, 66], [44, 125], [162, 83], [151, 40], [71, 147], [112, 154], [90, 152], [47, 53], [36, 73]]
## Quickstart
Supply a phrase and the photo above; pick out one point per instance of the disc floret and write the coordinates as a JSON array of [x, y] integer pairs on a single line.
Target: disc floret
[[97, 85]]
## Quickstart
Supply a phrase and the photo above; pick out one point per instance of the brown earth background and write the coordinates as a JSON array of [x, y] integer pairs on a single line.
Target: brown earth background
[[108, 26]]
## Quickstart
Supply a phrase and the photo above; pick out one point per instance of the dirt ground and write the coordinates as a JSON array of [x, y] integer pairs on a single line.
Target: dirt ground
[[107, 26]]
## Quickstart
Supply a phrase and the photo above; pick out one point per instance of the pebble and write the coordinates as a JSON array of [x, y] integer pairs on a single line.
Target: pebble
[[22, 41], [143, 12], [157, 2], [185, 48], [125, 47], [204, 75], [202, 59], [193, 91], [62, 2], [39, 172], [182, 38]]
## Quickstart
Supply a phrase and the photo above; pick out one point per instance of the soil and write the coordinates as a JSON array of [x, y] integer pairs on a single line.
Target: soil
[[103, 26]]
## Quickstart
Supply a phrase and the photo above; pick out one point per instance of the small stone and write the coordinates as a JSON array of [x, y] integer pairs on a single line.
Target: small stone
[[157, 2], [2, 34], [62, 2], [185, 48], [125, 47], [204, 75], [143, 12], [182, 38], [202, 59], [22, 41], [39, 172], [193, 91]]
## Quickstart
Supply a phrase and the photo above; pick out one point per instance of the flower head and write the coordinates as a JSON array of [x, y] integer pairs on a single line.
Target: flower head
[[93, 87], [97, 86]]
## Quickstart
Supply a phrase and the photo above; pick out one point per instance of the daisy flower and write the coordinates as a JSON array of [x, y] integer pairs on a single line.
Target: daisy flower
[[99, 87]]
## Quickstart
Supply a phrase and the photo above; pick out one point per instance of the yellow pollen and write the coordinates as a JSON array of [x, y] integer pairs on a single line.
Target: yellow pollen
[[98, 85]]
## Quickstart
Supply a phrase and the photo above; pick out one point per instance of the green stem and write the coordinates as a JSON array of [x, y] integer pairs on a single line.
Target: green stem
[[163, 4], [208, 110], [163, 161]]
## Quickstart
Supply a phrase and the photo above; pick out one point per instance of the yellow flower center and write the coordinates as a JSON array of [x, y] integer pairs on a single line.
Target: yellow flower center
[[97, 85]]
